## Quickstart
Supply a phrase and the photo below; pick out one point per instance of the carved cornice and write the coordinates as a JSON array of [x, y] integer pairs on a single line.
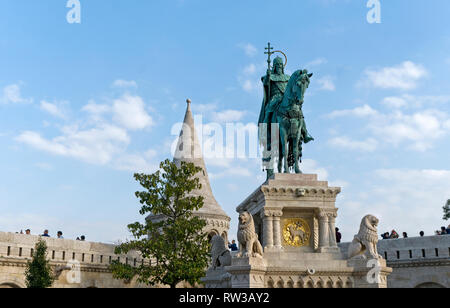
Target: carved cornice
[[97, 268], [271, 213], [326, 214], [332, 215], [292, 191], [419, 263]]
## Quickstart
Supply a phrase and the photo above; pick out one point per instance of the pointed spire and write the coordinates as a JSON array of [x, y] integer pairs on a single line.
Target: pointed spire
[[189, 150]]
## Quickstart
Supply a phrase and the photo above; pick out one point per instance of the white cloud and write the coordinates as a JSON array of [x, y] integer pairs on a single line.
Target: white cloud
[[368, 145], [120, 83], [364, 111], [419, 129], [395, 102], [403, 77], [56, 109], [97, 145], [204, 108], [250, 85], [137, 163], [250, 69], [233, 171], [316, 62], [228, 116], [249, 77], [96, 109], [327, 83], [129, 111], [249, 49], [414, 101], [12, 94], [407, 200], [312, 167]]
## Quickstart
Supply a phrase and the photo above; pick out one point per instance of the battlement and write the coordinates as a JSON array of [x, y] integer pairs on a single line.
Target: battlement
[[94, 260], [20, 247], [428, 247]]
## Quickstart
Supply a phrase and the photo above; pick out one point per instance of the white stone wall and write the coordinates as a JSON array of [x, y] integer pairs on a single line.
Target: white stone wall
[[94, 260], [416, 262]]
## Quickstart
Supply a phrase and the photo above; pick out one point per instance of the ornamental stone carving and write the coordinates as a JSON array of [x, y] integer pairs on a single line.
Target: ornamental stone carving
[[248, 239], [364, 244]]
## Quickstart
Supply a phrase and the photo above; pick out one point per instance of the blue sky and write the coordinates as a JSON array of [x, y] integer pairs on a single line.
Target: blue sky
[[84, 106]]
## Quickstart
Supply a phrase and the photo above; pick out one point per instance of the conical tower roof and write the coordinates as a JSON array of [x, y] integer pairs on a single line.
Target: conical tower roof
[[189, 150]]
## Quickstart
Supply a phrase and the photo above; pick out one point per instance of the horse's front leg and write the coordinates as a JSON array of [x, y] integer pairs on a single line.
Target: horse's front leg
[[283, 145], [296, 147], [280, 158], [286, 154]]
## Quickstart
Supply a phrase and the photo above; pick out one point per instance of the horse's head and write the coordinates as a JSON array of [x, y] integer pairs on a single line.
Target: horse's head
[[296, 88], [302, 83]]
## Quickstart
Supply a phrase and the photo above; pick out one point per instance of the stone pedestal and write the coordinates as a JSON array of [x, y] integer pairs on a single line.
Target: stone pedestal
[[248, 273], [294, 216], [217, 279], [288, 206], [369, 274]]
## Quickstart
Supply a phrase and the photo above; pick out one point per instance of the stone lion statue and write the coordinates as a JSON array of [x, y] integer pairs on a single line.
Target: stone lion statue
[[248, 239], [220, 255], [364, 244]]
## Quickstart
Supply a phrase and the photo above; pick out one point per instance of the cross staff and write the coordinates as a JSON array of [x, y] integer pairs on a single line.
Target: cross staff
[[269, 53]]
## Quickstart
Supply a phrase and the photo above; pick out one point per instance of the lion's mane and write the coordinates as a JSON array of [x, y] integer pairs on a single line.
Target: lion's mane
[[368, 232], [246, 230]]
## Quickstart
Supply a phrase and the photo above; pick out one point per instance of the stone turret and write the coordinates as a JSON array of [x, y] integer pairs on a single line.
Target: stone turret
[[189, 150]]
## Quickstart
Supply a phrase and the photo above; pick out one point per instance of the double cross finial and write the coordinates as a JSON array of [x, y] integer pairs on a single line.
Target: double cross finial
[[269, 53]]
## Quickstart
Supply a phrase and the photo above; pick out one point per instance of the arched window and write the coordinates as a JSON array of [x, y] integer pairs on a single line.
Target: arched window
[[9, 285], [430, 285]]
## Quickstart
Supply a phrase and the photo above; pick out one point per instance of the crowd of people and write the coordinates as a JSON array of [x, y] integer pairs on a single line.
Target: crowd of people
[[385, 236], [59, 234], [233, 246], [394, 235]]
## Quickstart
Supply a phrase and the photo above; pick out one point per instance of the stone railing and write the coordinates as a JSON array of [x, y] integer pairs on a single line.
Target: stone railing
[[19, 247], [415, 248]]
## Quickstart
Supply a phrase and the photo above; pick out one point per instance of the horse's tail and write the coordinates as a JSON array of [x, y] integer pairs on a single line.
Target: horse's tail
[[291, 157]]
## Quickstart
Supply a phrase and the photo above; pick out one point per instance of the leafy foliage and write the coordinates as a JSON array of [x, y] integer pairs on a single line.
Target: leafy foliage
[[175, 241], [447, 210], [38, 273]]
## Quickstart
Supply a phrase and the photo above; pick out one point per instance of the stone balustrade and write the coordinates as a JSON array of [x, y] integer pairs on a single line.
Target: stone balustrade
[[19, 246], [416, 262], [428, 247], [93, 258]]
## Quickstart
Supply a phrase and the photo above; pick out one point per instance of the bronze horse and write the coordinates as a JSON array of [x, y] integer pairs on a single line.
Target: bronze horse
[[292, 126]]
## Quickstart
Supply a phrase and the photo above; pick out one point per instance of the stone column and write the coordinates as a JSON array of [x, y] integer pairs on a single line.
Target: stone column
[[277, 229], [332, 229], [324, 241], [267, 229]]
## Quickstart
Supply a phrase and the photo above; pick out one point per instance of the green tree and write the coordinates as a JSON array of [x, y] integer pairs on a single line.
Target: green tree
[[447, 210], [175, 243], [38, 273]]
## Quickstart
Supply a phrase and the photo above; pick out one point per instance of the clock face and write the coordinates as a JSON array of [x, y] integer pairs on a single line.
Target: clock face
[[296, 232]]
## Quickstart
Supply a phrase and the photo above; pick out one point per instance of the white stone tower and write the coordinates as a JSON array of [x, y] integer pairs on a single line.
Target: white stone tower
[[189, 150]]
